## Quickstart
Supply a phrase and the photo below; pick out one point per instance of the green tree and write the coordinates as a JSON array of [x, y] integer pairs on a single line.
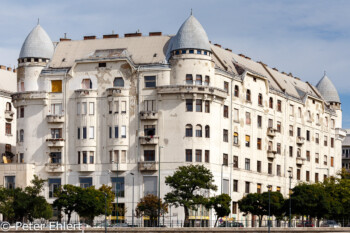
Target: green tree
[[67, 199], [276, 204], [149, 205], [253, 204], [186, 184], [6, 203], [91, 202], [221, 205]]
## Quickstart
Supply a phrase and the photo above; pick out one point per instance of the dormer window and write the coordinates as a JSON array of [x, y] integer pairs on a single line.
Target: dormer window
[[199, 52], [177, 52], [183, 51], [205, 53], [86, 84], [118, 82], [191, 51]]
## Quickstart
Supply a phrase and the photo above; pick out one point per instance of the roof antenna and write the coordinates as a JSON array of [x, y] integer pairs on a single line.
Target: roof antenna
[[325, 73], [38, 21], [191, 11]]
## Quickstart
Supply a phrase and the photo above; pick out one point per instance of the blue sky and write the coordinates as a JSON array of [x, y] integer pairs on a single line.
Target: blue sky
[[301, 37]]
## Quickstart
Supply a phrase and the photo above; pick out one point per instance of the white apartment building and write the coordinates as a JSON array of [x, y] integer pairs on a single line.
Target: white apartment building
[[8, 83], [96, 111]]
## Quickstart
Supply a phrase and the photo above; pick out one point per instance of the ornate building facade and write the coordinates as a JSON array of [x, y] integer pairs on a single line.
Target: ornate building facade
[[105, 111]]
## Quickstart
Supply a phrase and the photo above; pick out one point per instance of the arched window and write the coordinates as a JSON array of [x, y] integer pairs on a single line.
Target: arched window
[[118, 82], [248, 95], [271, 102], [207, 131], [21, 135], [86, 84], [188, 130], [8, 106], [236, 93], [260, 99], [198, 131]]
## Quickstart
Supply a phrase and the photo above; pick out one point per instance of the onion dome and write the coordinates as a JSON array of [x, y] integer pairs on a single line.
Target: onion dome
[[191, 35], [328, 90], [37, 45]]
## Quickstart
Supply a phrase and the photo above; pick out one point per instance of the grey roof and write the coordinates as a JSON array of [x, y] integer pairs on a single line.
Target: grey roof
[[37, 44], [328, 90], [191, 35]]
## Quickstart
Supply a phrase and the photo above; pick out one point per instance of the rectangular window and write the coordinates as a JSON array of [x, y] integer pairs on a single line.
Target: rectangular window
[[259, 121], [307, 135], [206, 81], [299, 132], [298, 174], [236, 115], [110, 132], [21, 157], [8, 129], [85, 182], [10, 182], [269, 168], [123, 103], [55, 157], [84, 132], [225, 111], [85, 159], [279, 170], [235, 185], [150, 130], [91, 108], [188, 155], [225, 135], [278, 189], [91, 132], [234, 207], [332, 161], [270, 124], [247, 118], [118, 186], [225, 159], [307, 176], [56, 86], [86, 84], [79, 157], [54, 184], [278, 148], [150, 81], [317, 158], [247, 187], [198, 105], [21, 115], [123, 131], [199, 156], [207, 156], [56, 133], [189, 79], [279, 105], [258, 188], [123, 156], [279, 127], [316, 177], [235, 138], [325, 160], [84, 108], [189, 105], [258, 166], [207, 106], [150, 185], [225, 186], [149, 105], [291, 110], [149, 155], [332, 142], [116, 131], [247, 140], [308, 155], [325, 140], [235, 161], [198, 79], [56, 109], [247, 164], [91, 157], [291, 130], [226, 86], [317, 138], [259, 144], [78, 109]]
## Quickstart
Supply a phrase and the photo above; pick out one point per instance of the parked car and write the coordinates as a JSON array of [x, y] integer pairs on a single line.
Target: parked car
[[305, 224], [330, 223], [231, 224]]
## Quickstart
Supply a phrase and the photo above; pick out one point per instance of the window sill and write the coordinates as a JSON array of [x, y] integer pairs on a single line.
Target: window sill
[[10, 135], [235, 121]]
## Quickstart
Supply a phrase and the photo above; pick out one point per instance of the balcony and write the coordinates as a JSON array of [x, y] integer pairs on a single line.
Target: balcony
[[121, 167], [192, 89], [148, 166], [340, 134], [300, 161], [55, 142], [54, 167], [86, 167], [55, 118], [149, 140], [9, 115], [148, 115], [271, 154], [271, 132], [117, 91], [300, 140]]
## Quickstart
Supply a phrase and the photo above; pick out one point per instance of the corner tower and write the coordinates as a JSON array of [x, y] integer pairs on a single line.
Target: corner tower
[[36, 52]]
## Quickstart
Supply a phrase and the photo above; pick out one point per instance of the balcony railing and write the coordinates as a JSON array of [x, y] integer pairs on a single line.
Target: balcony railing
[[300, 140], [148, 166], [55, 142], [149, 140], [271, 132], [9, 115], [86, 167], [271, 154], [149, 115], [54, 167], [55, 118], [300, 161]]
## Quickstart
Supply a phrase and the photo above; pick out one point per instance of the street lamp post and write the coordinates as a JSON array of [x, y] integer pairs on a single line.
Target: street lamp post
[[268, 221], [133, 186], [159, 184], [290, 198], [105, 212]]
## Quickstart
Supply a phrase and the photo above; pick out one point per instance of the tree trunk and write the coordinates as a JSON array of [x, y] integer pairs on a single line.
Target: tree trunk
[[217, 218], [187, 220], [69, 216], [260, 220]]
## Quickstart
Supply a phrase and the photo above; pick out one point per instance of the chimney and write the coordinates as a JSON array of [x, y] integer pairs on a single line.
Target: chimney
[[228, 49], [241, 55], [2, 67], [274, 68], [155, 33], [284, 72], [9, 69], [248, 58], [290, 75], [89, 37], [297, 78], [218, 45], [136, 34], [110, 36], [64, 39]]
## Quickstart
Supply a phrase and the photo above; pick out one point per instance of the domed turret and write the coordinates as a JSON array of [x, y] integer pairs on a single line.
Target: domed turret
[[191, 35], [328, 90], [37, 45]]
